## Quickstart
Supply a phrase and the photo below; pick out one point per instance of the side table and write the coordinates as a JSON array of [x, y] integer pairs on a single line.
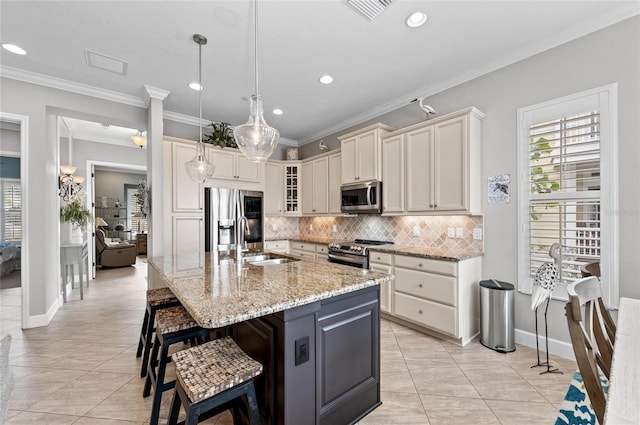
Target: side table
[[141, 243], [70, 255]]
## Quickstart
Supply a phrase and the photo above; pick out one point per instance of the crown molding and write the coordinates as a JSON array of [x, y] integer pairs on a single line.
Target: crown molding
[[149, 93], [70, 86], [289, 142], [182, 118]]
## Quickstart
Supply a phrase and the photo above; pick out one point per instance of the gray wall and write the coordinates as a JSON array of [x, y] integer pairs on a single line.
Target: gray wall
[[111, 184], [84, 150], [606, 56], [42, 105], [9, 140]]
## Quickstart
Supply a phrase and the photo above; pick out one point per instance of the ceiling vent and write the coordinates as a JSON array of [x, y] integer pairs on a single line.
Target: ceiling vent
[[370, 9], [104, 62]]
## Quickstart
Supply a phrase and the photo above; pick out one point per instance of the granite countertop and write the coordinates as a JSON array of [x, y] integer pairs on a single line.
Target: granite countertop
[[218, 291], [443, 253]]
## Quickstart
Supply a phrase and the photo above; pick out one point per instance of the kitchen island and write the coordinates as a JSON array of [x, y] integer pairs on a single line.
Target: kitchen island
[[313, 325]]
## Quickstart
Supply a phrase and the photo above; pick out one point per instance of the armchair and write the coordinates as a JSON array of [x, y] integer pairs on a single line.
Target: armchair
[[120, 255]]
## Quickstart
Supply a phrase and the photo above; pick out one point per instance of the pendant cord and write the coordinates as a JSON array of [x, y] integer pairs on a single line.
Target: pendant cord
[[200, 90], [255, 14]]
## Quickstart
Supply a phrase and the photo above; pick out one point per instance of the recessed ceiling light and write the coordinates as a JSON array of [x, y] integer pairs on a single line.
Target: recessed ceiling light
[[278, 111], [416, 19], [195, 86], [14, 49], [326, 79]]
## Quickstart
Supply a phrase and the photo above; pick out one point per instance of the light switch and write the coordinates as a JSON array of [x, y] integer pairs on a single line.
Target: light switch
[[460, 233], [335, 228], [451, 232], [311, 227], [477, 233], [416, 230], [274, 228]]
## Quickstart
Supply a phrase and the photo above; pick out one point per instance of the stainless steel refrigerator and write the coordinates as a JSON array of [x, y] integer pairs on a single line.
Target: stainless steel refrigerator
[[233, 217]]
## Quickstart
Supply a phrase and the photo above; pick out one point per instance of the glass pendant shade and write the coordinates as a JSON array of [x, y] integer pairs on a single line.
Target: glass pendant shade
[[256, 139], [140, 139], [199, 168]]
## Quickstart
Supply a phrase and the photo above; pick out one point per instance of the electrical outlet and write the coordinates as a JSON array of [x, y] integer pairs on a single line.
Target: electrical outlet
[[477, 233], [311, 227], [451, 232], [416, 230], [335, 228], [274, 228], [459, 233]]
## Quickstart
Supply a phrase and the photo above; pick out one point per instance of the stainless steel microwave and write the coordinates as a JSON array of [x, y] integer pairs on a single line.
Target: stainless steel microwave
[[362, 198]]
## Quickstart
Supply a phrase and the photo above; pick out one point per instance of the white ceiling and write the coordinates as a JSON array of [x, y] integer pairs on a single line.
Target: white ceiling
[[378, 66]]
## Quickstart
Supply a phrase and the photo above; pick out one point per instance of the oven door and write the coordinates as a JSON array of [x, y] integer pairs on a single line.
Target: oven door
[[362, 198], [349, 260]]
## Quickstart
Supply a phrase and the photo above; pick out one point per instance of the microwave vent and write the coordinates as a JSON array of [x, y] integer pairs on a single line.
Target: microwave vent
[[370, 9]]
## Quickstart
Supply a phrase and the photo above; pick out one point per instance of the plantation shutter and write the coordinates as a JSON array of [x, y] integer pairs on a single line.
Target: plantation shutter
[[11, 210], [132, 208], [564, 201]]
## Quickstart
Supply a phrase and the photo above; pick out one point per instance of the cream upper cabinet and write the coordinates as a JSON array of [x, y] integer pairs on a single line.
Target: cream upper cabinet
[[361, 154], [419, 166], [186, 194], [231, 164], [315, 186], [335, 180], [393, 174], [440, 168], [451, 165], [274, 188]]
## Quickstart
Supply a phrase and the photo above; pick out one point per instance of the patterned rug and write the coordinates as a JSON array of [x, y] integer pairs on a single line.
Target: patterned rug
[[576, 408]]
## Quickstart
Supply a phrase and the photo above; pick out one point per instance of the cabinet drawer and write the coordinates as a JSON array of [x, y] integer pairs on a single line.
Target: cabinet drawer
[[323, 257], [437, 316], [280, 246], [434, 287], [303, 246], [380, 258], [322, 249], [426, 264], [303, 254]]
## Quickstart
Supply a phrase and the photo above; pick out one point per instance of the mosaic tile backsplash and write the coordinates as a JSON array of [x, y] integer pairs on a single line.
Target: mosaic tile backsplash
[[399, 230]]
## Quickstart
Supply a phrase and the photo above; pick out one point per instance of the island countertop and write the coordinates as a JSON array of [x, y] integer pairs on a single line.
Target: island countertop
[[218, 291]]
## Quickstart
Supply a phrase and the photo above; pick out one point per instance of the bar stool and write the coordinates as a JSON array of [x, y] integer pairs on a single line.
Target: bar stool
[[213, 377], [157, 299], [173, 325]]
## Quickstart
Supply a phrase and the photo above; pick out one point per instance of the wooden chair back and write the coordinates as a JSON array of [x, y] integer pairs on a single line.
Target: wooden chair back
[[592, 337]]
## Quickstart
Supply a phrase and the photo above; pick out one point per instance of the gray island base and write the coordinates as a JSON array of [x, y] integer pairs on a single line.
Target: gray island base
[[314, 326]]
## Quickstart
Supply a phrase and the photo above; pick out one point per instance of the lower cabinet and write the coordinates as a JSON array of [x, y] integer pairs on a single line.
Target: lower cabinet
[[277, 246], [382, 262], [303, 249], [441, 296]]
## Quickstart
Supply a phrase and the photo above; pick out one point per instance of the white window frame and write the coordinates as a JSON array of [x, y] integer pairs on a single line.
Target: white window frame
[[605, 99]]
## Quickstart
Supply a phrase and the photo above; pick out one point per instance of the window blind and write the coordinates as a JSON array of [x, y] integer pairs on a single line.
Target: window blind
[[11, 210], [564, 205], [132, 208]]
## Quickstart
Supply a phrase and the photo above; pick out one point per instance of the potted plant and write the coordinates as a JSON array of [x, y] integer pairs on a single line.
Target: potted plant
[[77, 216], [221, 135]]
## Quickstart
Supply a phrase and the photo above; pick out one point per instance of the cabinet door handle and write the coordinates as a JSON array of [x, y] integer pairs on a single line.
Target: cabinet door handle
[[420, 311], [419, 264], [420, 285]]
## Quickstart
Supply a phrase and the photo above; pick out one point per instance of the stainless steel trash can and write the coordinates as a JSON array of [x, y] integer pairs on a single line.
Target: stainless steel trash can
[[497, 320]]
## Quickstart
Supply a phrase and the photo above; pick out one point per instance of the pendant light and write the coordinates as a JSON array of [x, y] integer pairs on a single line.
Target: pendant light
[[256, 139], [199, 168], [140, 139]]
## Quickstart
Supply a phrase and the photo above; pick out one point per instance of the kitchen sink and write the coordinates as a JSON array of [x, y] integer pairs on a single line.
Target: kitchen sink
[[255, 257], [272, 261]]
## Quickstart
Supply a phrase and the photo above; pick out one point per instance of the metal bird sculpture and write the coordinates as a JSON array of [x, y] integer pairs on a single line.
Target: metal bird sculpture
[[543, 284], [426, 108]]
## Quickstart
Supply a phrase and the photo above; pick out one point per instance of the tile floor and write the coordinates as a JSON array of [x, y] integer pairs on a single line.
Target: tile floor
[[82, 369]]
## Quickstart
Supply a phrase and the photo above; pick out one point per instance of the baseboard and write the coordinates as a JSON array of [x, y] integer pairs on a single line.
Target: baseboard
[[556, 347], [42, 319]]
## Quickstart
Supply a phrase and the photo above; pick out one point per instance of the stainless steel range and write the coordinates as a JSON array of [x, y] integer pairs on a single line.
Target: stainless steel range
[[354, 253]]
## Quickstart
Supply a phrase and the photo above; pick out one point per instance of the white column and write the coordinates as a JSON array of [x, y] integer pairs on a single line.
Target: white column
[[154, 98]]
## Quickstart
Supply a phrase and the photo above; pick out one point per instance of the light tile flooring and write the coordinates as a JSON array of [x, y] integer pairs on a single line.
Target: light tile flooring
[[82, 369]]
